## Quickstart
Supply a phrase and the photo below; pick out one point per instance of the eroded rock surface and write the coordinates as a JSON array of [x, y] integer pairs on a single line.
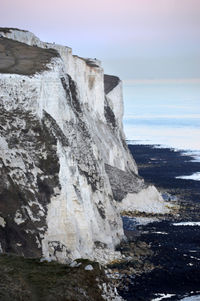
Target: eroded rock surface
[[64, 162]]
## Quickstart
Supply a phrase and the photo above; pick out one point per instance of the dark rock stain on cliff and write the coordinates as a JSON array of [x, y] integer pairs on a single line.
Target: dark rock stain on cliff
[[82, 140], [109, 115], [50, 123], [23, 197], [72, 93], [110, 82], [123, 182], [12, 197]]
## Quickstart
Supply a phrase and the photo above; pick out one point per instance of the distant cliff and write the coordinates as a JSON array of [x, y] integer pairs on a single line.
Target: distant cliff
[[66, 172]]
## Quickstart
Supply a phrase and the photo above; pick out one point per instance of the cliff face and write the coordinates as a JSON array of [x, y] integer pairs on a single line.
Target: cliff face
[[66, 172]]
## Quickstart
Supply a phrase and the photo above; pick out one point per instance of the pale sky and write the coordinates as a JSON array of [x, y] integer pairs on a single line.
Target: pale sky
[[135, 39]]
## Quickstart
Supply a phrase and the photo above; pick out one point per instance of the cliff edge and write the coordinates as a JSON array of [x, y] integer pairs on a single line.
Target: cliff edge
[[66, 171]]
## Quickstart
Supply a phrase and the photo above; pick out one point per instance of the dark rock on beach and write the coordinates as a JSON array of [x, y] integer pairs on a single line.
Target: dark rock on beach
[[161, 166], [165, 260]]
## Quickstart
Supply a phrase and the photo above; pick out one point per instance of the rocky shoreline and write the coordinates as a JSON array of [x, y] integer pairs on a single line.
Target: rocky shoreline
[[161, 166], [160, 257], [162, 253]]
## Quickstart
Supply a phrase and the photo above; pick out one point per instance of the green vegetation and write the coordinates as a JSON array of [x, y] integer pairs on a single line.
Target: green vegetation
[[29, 279], [20, 58]]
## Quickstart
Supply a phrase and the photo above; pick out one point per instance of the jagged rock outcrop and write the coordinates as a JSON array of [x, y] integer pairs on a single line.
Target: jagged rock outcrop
[[66, 172]]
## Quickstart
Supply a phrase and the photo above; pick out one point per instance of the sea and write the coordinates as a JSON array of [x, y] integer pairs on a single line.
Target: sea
[[165, 114]]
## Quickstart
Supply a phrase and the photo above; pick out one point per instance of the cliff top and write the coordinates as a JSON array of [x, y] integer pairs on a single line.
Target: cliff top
[[19, 58], [9, 29]]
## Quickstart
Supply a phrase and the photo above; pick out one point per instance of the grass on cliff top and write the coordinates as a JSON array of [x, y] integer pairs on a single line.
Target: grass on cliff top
[[9, 29], [20, 58], [29, 279]]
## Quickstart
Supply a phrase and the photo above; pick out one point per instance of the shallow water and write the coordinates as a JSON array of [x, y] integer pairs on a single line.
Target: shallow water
[[167, 115], [194, 176], [192, 298], [163, 296], [187, 224]]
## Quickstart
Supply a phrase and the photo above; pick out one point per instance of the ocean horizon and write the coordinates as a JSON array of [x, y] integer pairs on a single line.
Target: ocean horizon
[[163, 114]]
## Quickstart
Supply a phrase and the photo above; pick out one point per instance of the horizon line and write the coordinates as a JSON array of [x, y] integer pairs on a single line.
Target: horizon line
[[162, 81]]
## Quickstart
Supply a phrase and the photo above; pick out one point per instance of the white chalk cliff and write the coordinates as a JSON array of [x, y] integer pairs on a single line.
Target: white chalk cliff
[[66, 172]]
